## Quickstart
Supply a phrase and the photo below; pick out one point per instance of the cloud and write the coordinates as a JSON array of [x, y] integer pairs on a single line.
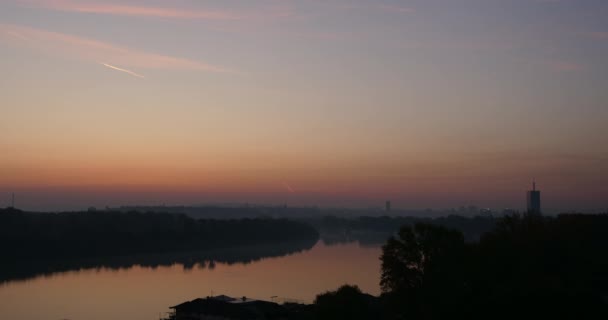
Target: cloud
[[598, 35], [128, 10], [565, 66], [122, 9], [16, 35], [395, 8], [80, 48], [376, 7]]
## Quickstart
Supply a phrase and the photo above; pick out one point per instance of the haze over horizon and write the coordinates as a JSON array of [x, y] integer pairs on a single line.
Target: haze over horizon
[[431, 104]]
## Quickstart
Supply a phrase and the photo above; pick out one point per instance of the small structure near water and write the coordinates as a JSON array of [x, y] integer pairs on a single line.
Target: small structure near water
[[227, 308]]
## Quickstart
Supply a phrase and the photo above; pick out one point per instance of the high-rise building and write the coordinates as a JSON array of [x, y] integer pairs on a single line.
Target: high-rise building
[[533, 197]]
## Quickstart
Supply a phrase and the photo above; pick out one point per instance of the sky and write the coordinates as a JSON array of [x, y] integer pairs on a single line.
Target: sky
[[431, 104]]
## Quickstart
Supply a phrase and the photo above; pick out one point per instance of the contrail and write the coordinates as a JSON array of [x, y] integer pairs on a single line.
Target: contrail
[[289, 188], [122, 70], [95, 51]]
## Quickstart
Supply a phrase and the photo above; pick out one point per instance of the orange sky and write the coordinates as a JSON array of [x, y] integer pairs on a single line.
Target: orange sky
[[315, 102]]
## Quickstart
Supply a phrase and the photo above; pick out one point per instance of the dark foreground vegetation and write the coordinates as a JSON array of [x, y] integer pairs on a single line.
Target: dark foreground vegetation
[[527, 267], [35, 236]]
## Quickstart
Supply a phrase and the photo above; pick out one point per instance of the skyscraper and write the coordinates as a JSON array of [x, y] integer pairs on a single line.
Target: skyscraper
[[533, 197]]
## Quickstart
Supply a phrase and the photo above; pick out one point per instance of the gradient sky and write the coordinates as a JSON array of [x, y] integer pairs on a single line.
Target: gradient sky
[[331, 102]]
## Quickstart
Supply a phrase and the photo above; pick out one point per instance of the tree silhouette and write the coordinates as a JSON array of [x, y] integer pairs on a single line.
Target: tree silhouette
[[423, 271], [528, 266], [348, 303]]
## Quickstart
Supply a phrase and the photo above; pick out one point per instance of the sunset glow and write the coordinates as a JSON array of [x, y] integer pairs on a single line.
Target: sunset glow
[[432, 104]]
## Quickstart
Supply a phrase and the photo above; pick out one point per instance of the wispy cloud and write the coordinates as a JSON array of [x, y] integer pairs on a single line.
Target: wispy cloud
[[395, 8], [565, 66], [376, 7], [167, 12], [122, 70], [128, 10], [598, 35], [76, 47], [16, 35]]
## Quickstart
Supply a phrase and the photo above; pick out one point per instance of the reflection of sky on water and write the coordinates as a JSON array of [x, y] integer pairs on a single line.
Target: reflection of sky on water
[[142, 292]]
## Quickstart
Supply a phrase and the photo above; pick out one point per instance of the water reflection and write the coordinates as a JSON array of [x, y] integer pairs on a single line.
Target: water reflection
[[127, 290], [28, 269]]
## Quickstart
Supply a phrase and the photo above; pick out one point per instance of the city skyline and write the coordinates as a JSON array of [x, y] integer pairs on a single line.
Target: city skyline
[[532, 205], [432, 104]]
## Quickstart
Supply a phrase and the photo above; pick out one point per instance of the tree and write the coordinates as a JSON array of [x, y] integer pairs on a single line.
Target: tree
[[423, 271], [348, 303]]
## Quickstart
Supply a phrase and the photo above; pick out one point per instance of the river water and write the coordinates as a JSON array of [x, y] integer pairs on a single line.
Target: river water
[[146, 291]]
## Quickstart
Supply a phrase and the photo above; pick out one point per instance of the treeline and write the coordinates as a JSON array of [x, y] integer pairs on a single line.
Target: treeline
[[528, 267], [89, 234], [230, 212], [203, 259]]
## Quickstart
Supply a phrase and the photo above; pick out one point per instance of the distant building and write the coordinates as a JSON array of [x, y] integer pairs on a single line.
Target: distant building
[[533, 200], [224, 298], [388, 206]]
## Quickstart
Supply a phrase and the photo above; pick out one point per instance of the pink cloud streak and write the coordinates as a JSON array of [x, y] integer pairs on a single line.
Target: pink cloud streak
[[395, 8], [122, 9], [128, 10], [379, 7], [565, 66], [92, 50], [599, 35]]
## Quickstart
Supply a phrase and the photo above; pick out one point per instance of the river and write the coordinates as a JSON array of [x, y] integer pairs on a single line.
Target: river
[[145, 291]]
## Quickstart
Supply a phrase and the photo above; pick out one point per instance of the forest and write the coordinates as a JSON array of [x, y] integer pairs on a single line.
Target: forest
[[528, 266], [26, 235]]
